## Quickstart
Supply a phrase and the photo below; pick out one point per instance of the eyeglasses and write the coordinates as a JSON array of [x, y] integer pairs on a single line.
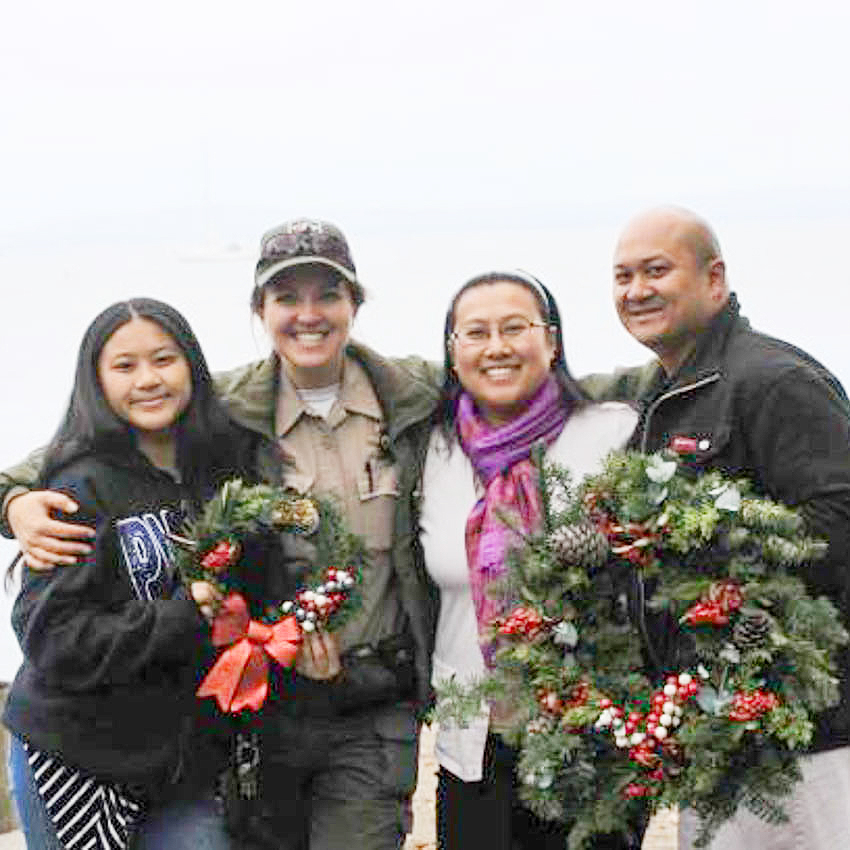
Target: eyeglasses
[[478, 335]]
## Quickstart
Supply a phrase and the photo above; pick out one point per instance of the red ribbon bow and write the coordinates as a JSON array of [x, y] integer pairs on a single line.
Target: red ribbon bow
[[240, 677]]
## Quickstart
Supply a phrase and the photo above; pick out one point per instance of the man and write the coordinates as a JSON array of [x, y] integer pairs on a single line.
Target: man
[[726, 397]]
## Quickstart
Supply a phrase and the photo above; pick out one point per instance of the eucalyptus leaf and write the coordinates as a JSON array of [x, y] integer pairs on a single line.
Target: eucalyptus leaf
[[711, 701], [659, 470], [707, 699], [657, 494], [565, 634], [729, 499]]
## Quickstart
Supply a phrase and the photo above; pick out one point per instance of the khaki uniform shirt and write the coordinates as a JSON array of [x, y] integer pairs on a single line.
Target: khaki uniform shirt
[[341, 457]]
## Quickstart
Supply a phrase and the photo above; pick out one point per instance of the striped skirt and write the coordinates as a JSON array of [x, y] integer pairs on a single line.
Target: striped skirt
[[87, 814]]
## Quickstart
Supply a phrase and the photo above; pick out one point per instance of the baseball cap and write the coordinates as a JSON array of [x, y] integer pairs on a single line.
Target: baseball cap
[[303, 241]]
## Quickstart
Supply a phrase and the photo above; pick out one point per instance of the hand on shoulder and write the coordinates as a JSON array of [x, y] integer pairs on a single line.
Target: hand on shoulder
[[47, 542]]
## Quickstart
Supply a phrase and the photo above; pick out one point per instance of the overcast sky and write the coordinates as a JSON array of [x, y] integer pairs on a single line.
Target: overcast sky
[[144, 149]]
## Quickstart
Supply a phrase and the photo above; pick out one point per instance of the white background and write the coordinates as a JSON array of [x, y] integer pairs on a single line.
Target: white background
[[144, 148]]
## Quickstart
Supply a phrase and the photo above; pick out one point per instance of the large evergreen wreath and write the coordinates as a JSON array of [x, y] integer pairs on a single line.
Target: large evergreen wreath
[[641, 544]]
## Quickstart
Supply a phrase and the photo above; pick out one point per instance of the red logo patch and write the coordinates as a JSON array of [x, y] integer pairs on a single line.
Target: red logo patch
[[684, 445]]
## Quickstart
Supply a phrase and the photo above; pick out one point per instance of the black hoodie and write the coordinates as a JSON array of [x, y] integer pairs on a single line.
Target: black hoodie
[[113, 647]]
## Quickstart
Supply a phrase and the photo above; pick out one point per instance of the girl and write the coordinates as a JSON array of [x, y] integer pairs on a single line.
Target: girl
[[506, 388], [108, 748]]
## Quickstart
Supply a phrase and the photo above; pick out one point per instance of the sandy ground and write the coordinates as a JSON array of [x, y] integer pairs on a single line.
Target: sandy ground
[[661, 834]]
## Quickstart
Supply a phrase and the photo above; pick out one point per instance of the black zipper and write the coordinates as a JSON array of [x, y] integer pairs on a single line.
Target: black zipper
[[650, 410], [639, 585]]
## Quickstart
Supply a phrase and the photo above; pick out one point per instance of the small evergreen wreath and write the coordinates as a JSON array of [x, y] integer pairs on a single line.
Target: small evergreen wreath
[[644, 540], [211, 549]]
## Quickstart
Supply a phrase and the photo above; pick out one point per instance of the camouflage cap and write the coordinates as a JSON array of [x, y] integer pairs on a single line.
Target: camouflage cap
[[303, 241]]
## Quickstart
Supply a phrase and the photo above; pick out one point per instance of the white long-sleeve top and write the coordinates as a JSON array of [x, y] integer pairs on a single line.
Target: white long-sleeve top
[[449, 493]]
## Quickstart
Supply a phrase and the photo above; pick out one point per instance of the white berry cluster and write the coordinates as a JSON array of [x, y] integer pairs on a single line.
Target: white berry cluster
[[314, 607], [665, 714]]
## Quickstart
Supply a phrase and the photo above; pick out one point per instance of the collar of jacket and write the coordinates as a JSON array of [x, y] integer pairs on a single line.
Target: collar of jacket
[[404, 396], [707, 359]]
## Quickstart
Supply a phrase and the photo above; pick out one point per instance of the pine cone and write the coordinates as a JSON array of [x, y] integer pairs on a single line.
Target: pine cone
[[579, 544], [751, 630], [300, 516]]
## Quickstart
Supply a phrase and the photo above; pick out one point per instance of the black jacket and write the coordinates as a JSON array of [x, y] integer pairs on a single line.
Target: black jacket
[[113, 648], [756, 407]]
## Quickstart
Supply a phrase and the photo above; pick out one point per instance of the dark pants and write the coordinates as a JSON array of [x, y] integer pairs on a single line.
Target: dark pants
[[340, 783], [489, 813]]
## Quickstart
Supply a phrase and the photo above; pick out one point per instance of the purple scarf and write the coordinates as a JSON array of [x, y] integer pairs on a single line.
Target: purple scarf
[[500, 457]]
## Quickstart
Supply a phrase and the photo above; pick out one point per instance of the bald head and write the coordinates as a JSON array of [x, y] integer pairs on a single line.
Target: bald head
[[669, 281], [680, 224]]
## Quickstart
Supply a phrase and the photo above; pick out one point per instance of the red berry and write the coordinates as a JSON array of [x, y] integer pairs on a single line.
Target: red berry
[[224, 554], [635, 790]]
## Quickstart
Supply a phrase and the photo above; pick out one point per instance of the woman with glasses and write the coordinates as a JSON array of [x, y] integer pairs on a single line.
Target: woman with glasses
[[506, 388]]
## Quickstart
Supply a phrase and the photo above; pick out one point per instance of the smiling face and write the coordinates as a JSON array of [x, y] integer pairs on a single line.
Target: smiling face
[[307, 312], [667, 284], [501, 349], [145, 377]]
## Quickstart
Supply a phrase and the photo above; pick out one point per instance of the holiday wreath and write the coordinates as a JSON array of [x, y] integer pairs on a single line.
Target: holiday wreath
[[641, 551], [234, 545]]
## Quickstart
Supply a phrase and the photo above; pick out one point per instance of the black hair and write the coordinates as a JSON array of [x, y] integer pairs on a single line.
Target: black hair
[[207, 444], [571, 392]]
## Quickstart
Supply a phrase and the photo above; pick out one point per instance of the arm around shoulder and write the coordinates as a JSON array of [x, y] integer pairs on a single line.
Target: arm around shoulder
[[624, 384], [429, 372]]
